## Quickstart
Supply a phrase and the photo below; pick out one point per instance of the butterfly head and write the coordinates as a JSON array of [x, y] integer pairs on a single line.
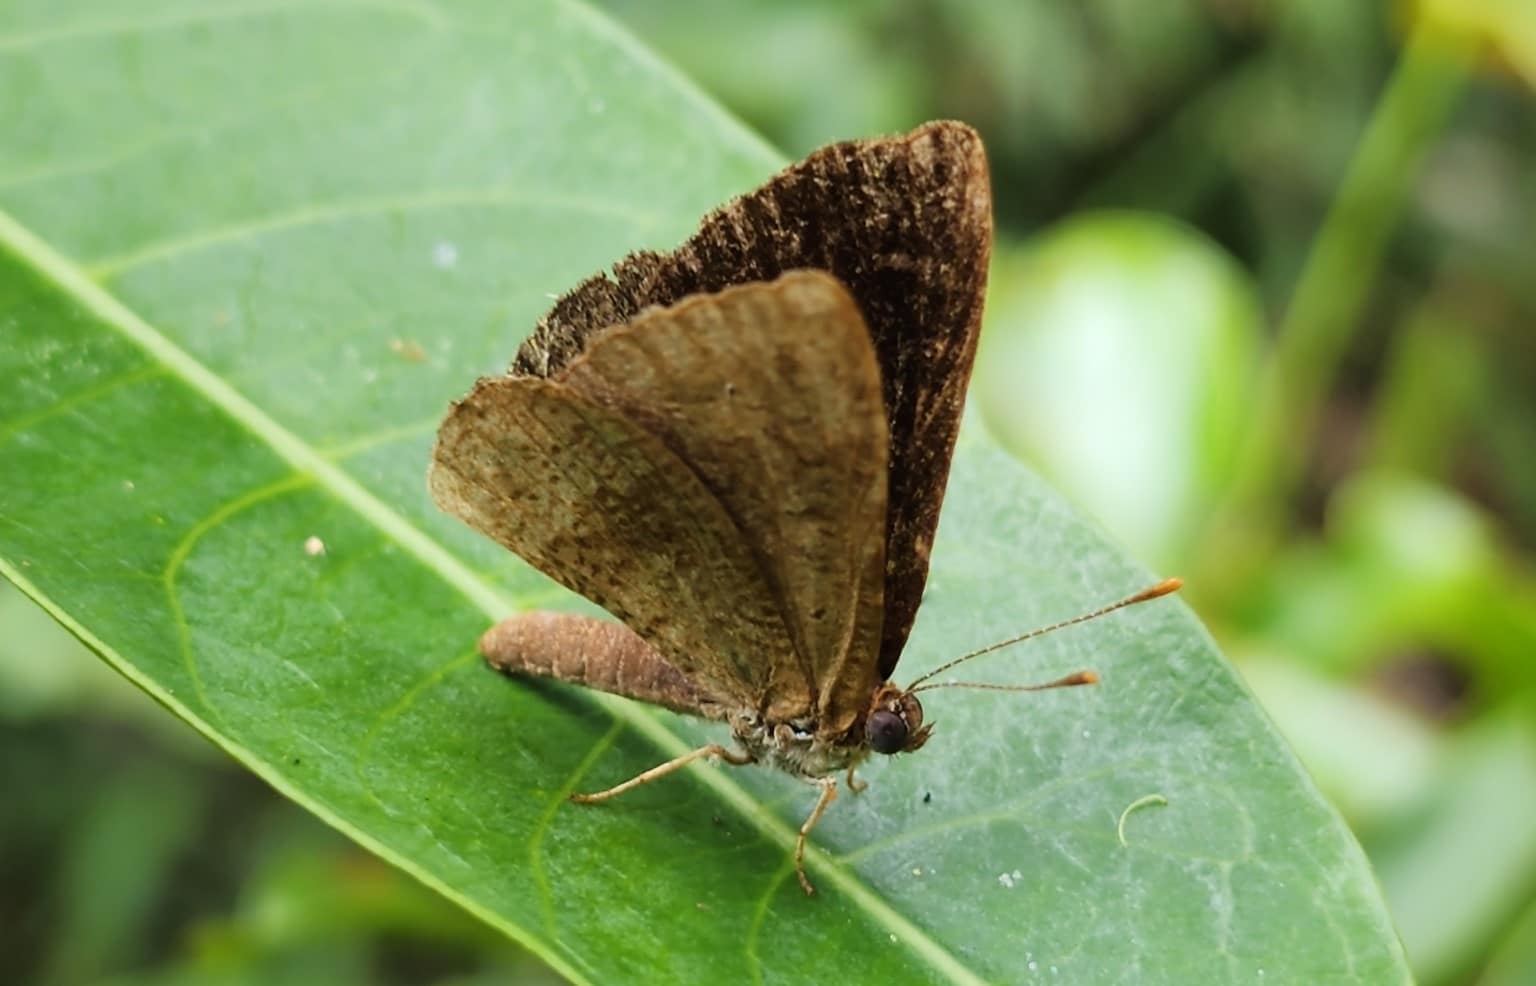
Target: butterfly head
[[895, 722]]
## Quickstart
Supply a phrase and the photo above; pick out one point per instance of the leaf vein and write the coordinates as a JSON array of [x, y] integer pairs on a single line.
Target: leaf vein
[[384, 436], [183, 549], [203, 130], [323, 213], [10, 429], [398, 707], [760, 917], [547, 818]]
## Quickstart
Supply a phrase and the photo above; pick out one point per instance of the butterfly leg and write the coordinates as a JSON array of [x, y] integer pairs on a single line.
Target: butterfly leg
[[854, 784], [662, 770], [828, 795]]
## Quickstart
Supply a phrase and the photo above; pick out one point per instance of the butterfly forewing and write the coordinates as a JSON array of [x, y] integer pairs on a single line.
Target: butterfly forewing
[[750, 386], [905, 224], [647, 475]]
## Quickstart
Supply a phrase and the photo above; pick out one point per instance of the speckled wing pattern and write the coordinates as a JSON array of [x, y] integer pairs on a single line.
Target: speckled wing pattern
[[771, 394], [905, 223], [713, 474]]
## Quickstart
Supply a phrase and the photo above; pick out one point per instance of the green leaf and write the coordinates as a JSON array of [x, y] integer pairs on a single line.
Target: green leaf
[[247, 253]]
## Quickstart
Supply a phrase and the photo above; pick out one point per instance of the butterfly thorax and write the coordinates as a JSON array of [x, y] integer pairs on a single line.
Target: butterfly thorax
[[797, 746]]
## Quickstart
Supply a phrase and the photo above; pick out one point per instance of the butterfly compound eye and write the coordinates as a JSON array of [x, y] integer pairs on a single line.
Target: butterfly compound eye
[[887, 732]]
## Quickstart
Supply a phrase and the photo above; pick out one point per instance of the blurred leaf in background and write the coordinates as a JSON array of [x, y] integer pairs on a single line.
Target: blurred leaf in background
[[1132, 326]]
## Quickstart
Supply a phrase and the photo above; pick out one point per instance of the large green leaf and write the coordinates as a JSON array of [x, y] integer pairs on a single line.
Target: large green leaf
[[226, 230]]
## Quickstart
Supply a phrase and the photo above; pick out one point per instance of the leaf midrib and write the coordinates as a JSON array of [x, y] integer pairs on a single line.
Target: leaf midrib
[[69, 277]]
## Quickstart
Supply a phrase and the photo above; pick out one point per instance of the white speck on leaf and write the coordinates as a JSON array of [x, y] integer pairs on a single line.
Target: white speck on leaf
[[1033, 966], [313, 546], [445, 255]]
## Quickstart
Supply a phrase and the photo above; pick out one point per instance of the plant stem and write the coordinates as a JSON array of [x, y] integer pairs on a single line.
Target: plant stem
[[1325, 309]]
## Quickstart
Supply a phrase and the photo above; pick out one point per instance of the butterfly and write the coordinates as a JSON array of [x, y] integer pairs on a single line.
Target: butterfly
[[739, 449]]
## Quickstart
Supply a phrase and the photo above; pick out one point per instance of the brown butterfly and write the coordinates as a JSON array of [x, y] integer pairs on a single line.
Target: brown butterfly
[[739, 449]]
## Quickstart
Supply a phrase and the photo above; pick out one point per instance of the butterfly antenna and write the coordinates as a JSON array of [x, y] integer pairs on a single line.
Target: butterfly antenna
[[1163, 588]]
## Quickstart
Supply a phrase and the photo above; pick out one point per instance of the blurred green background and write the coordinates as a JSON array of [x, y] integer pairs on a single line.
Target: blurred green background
[[1263, 303]]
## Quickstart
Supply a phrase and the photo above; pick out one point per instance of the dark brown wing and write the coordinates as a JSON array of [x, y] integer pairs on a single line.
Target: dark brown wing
[[905, 223], [771, 394], [712, 473]]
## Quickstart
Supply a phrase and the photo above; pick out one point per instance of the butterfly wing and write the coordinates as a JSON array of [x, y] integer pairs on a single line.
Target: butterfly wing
[[770, 393], [713, 474], [601, 506], [905, 223]]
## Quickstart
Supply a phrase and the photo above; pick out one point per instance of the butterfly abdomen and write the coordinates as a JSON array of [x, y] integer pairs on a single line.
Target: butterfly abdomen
[[595, 653]]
